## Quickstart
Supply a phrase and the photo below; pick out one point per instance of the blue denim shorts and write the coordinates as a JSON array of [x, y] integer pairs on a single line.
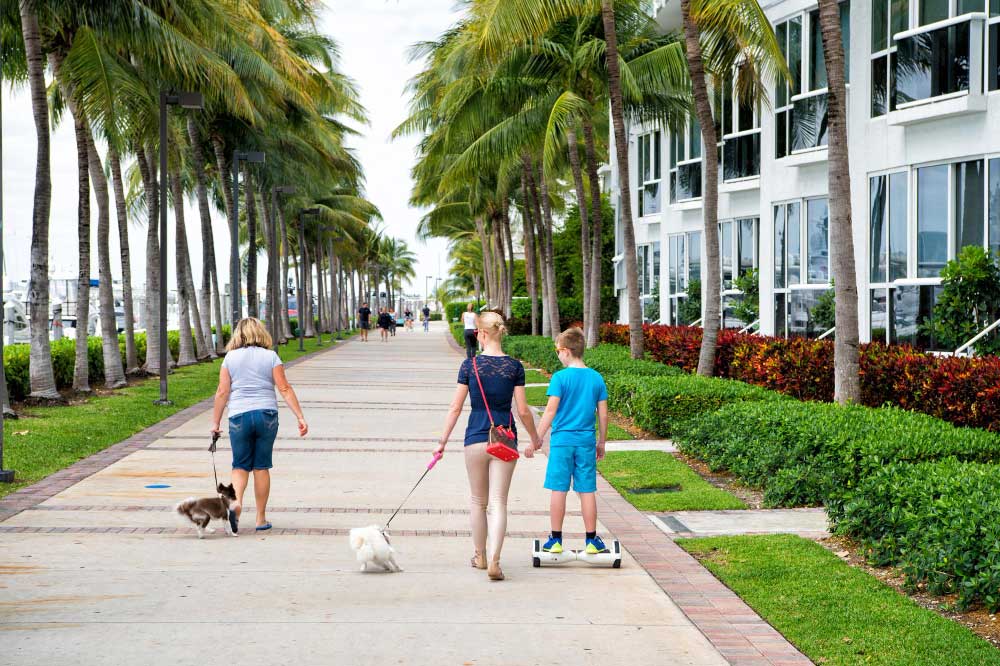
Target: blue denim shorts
[[572, 465], [251, 436]]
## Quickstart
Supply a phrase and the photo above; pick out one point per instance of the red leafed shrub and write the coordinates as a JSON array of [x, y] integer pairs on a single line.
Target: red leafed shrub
[[964, 391]]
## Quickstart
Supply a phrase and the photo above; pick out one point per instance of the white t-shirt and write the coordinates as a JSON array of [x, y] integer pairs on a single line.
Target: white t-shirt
[[252, 372], [470, 320]]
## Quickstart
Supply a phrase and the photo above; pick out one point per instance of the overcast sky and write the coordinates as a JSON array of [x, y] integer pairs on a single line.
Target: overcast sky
[[374, 36]]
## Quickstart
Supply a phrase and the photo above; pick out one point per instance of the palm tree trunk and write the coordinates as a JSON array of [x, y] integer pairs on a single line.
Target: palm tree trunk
[[712, 286], [114, 372], [334, 288], [152, 291], [596, 234], [271, 280], [846, 371], [549, 264], [501, 266], [636, 342], [253, 310], [222, 167], [539, 233], [324, 315], [42, 378], [131, 355], [509, 242], [581, 202], [354, 298], [81, 365], [209, 273], [185, 294], [529, 251], [484, 241], [305, 308], [286, 321]]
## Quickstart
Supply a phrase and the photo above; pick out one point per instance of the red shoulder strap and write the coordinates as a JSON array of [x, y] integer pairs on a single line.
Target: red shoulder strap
[[475, 369]]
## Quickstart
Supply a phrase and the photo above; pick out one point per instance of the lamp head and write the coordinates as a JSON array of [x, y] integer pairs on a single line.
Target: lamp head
[[248, 155], [186, 100]]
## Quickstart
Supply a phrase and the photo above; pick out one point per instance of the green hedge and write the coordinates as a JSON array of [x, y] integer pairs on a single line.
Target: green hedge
[[455, 309], [810, 453], [535, 350], [615, 359], [661, 404], [938, 521]]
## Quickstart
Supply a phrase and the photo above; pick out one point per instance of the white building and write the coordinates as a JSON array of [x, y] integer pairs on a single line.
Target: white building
[[924, 133]]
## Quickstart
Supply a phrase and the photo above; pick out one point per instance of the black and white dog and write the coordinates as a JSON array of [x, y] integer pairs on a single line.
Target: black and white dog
[[202, 511]]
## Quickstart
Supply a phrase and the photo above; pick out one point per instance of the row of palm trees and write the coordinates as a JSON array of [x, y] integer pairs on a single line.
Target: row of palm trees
[[271, 83], [509, 91]]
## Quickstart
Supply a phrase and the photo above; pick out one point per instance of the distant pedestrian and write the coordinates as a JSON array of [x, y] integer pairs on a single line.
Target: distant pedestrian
[[250, 373], [364, 320], [426, 312], [392, 323], [408, 319], [471, 323], [384, 322]]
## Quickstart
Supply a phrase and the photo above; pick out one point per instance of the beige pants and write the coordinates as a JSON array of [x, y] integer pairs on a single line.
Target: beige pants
[[489, 483]]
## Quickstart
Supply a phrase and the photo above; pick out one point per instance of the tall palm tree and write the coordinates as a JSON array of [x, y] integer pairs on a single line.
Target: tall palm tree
[[846, 362]]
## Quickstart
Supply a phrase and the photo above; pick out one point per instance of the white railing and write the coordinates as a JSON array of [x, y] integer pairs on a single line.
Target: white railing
[[750, 326], [696, 322], [827, 333], [967, 348]]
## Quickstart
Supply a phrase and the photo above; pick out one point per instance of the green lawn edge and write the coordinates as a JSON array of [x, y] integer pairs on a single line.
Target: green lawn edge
[[47, 439], [835, 614], [645, 469]]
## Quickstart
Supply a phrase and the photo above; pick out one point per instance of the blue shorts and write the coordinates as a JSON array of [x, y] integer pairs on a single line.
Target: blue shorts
[[576, 464], [251, 436]]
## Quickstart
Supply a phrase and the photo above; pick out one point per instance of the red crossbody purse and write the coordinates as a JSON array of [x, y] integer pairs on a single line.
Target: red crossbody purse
[[502, 438]]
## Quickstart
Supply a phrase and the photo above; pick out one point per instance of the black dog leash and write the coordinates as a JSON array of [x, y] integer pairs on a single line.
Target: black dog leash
[[430, 466], [211, 448]]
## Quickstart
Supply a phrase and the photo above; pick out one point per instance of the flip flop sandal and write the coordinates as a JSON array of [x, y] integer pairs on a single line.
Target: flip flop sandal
[[261, 528]]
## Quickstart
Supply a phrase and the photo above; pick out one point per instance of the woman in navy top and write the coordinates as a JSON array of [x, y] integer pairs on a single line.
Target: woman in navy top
[[502, 380]]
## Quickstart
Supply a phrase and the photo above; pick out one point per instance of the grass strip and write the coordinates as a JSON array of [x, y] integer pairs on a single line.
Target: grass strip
[[835, 614], [626, 470], [47, 439], [535, 377], [536, 397]]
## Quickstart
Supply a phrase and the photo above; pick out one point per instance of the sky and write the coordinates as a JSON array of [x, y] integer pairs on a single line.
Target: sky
[[374, 36]]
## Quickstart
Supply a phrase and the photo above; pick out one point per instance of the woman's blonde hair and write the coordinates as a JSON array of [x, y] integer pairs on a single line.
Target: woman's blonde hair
[[250, 332], [492, 324]]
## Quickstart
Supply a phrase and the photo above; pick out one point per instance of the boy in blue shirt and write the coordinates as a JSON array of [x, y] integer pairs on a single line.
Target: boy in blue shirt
[[575, 393]]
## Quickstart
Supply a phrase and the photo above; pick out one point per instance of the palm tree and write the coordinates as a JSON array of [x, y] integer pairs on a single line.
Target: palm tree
[[846, 374]]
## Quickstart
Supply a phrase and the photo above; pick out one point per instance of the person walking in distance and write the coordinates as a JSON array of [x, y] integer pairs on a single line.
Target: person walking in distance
[[471, 324], [249, 376], [494, 383], [364, 320], [384, 322], [426, 312]]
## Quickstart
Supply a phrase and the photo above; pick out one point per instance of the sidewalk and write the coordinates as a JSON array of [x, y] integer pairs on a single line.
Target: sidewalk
[[102, 572]]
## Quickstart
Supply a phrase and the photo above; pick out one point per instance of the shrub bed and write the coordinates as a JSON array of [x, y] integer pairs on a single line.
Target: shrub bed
[[661, 404], [938, 521], [540, 352], [964, 391], [809, 453]]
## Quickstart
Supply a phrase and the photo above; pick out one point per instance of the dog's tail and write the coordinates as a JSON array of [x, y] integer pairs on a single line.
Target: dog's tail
[[183, 509]]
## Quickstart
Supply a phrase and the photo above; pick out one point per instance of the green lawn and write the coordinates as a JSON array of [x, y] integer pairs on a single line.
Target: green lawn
[[616, 432], [536, 396], [835, 614], [47, 439], [535, 377], [651, 469]]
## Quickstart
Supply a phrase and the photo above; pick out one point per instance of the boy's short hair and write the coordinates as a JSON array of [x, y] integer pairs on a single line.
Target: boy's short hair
[[573, 340]]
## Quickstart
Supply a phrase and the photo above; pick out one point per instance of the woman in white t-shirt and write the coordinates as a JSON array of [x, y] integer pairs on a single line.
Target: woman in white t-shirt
[[250, 373], [471, 324]]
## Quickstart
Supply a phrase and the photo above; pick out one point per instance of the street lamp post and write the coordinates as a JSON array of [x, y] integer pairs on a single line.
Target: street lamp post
[[235, 293], [334, 307], [304, 310], [273, 273], [186, 100]]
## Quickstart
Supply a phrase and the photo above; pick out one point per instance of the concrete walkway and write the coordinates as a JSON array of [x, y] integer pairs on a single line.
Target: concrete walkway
[[102, 572]]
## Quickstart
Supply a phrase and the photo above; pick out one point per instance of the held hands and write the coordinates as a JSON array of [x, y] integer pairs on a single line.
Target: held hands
[[536, 444]]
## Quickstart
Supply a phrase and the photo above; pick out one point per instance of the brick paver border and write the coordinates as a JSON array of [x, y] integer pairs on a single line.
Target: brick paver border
[[127, 508], [275, 531], [33, 495]]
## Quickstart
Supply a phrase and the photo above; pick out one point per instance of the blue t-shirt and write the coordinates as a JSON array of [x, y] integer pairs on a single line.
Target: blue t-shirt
[[499, 375], [579, 390]]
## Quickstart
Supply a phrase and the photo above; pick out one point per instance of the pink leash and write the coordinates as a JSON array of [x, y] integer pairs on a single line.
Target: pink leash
[[430, 466]]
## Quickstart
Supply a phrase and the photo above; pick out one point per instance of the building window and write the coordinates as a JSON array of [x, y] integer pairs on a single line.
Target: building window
[[685, 162], [648, 173], [648, 260], [994, 204], [888, 249], [934, 63], [738, 129], [888, 18], [993, 46], [932, 220], [684, 269], [797, 294], [951, 212], [738, 256]]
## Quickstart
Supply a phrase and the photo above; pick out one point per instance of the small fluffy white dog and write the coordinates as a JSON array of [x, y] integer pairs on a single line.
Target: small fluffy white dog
[[371, 545]]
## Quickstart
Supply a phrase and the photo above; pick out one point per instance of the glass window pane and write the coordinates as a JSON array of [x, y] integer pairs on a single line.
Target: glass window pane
[[932, 10], [967, 6], [741, 157], [994, 7], [877, 231], [880, 25], [818, 251], [879, 316], [694, 140], [817, 66], [676, 146], [656, 155], [933, 63], [794, 244], [780, 315], [781, 134], [969, 213], [809, 123], [650, 199], [656, 267], [672, 261], [746, 119], [795, 54], [932, 220], [689, 181], [644, 157], [694, 256], [912, 305], [781, 89], [994, 198], [993, 62], [747, 249], [899, 17], [880, 77], [726, 253], [779, 247], [673, 187], [801, 321], [898, 246]]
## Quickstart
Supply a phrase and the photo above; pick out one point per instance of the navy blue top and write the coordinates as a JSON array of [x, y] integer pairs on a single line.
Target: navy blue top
[[499, 375]]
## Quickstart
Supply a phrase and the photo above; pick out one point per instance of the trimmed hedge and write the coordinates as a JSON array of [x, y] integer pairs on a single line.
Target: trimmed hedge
[[938, 521], [809, 453], [613, 360], [661, 404], [964, 391]]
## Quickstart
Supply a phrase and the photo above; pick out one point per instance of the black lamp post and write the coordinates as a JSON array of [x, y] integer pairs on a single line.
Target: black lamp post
[[336, 237], [186, 100], [305, 309], [235, 294], [273, 273]]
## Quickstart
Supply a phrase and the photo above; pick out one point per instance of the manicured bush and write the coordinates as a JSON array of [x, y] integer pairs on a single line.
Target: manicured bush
[[809, 453], [661, 404], [938, 521], [435, 316], [614, 359], [964, 391], [455, 309], [535, 350]]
